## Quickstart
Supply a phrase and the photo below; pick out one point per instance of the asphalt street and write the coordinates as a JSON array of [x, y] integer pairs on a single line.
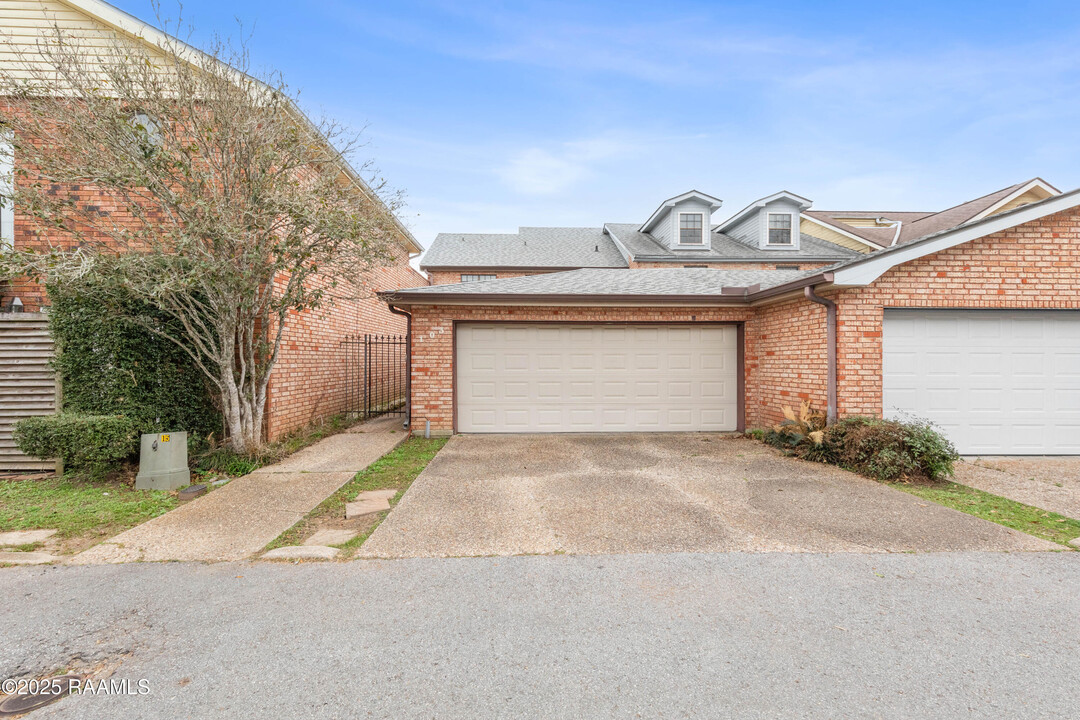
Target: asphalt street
[[969, 635]]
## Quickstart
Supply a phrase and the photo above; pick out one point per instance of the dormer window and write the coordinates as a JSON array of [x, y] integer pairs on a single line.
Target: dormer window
[[691, 229], [779, 229]]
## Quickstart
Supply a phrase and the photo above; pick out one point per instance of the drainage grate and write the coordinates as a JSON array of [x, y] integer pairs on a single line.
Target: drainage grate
[[48, 690]]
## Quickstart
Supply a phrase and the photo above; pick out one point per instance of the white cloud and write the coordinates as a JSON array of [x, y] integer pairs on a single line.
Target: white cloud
[[542, 171], [535, 171]]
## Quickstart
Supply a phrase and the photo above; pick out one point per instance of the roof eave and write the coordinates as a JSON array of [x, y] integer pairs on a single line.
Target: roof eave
[[515, 268], [729, 296], [144, 32]]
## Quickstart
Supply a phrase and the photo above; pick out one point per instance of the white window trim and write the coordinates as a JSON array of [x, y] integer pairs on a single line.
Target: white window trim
[[678, 229], [7, 186], [477, 277], [791, 222]]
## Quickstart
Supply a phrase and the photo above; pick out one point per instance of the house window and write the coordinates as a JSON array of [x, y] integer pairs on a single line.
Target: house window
[[147, 133], [787, 267], [779, 228], [700, 267], [476, 278], [691, 229], [7, 187]]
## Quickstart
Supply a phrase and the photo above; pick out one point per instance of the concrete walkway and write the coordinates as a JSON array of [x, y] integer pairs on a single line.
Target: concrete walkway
[[1048, 482], [239, 519]]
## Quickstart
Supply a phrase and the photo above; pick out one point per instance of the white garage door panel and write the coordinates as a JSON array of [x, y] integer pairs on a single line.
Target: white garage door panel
[[596, 378], [996, 381]]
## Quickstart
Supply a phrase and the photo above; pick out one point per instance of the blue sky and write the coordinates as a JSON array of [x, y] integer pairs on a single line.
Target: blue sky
[[496, 115]]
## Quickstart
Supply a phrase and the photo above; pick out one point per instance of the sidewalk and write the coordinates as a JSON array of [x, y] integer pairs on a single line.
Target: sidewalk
[[239, 519]]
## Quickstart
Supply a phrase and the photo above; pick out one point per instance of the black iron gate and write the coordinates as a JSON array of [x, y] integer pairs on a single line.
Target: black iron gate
[[376, 368]]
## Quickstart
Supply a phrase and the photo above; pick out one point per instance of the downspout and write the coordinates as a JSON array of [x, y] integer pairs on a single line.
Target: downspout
[[408, 363], [830, 321], [898, 224]]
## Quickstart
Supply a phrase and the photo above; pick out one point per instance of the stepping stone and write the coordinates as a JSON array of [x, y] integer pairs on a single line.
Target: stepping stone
[[387, 494], [25, 537], [27, 558], [302, 552], [1075, 542], [365, 507], [331, 536]]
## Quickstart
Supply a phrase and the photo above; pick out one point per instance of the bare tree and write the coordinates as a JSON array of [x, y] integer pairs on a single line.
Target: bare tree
[[212, 197]]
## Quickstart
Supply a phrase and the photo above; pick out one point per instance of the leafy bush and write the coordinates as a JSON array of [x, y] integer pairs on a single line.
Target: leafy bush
[[91, 442], [891, 449], [881, 449], [109, 362]]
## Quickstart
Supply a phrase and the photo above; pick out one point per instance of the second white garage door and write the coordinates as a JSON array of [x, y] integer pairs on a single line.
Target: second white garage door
[[596, 378], [996, 381]]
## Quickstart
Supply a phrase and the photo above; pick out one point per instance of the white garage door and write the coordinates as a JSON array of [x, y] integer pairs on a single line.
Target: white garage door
[[997, 381], [596, 378]]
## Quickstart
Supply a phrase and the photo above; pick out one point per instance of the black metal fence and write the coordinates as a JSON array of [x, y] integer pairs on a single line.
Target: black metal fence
[[376, 368]]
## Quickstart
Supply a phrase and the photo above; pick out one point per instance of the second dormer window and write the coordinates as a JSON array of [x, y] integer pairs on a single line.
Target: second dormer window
[[779, 228], [691, 229]]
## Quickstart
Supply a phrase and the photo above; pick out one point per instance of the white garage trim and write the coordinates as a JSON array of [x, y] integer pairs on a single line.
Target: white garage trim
[[998, 382], [597, 377]]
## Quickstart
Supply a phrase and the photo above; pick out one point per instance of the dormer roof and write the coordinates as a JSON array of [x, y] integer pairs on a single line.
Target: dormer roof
[[799, 200], [667, 205]]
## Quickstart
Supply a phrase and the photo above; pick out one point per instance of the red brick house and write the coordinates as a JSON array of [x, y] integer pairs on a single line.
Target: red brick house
[[969, 317], [307, 383]]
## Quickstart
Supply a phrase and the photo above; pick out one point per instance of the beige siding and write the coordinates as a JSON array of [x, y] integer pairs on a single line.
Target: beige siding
[[823, 232], [860, 222], [25, 25], [27, 383], [1032, 195]]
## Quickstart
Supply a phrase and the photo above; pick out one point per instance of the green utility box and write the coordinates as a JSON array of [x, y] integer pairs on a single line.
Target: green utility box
[[163, 462]]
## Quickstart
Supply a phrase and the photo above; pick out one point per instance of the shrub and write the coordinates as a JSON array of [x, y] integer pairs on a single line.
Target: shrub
[[892, 449], [90, 442], [805, 428], [108, 362], [881, 449]]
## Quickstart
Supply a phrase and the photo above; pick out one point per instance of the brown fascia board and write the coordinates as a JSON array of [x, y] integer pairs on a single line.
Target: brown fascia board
[[820, 278], [801, 260], [729, 296], [513, 268]]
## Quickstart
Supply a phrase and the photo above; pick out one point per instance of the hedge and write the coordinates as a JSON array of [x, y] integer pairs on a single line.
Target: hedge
[[91, 442], [108, 363]]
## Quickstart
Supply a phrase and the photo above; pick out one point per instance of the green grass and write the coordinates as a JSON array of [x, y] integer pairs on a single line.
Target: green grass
[[1018, 516], [75, 506], [396, 469]]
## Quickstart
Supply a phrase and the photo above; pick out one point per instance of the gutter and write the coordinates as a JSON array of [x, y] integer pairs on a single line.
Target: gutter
[[408, 362], [481, 269], [830, 322], [727, 296]]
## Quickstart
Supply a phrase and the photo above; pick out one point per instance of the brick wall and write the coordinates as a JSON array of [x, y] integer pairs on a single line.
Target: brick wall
[[788, 360], [446, 277], [1035, 265], [433, 345], [308, 382]]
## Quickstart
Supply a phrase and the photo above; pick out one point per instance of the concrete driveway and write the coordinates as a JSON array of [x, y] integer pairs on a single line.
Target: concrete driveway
[[591, 494], [1048, 482]]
